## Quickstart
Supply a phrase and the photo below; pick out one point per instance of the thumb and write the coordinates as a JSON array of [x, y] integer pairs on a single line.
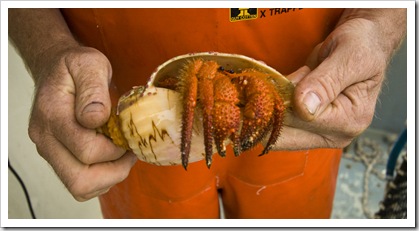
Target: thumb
[[91, 72]]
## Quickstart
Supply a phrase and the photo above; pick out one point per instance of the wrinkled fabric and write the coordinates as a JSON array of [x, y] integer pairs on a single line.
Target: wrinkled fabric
[[298, 184]]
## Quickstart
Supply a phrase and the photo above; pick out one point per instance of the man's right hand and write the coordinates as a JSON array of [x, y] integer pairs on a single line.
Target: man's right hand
[[71, 101]]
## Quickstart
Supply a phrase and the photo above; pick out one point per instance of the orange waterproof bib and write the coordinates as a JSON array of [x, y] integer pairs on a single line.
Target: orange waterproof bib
[[298, 184]]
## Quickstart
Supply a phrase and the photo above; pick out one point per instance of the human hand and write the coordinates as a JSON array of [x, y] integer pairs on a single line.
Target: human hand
[[336, 93], [71, 100]]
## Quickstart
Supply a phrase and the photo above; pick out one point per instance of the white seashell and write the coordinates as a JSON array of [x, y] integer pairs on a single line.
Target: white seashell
[[151, 125]]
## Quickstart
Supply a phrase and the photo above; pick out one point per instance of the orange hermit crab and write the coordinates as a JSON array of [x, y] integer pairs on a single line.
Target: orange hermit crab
[[194, 101]]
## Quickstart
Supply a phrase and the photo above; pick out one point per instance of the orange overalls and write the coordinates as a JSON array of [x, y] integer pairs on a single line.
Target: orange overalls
[[281, 184]]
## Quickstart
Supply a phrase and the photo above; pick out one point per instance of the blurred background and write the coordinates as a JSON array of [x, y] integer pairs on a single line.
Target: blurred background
[[50, 199]]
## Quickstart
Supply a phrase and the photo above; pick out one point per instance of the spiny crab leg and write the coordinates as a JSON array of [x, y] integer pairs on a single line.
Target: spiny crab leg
[[263, 108], [205, 77], [226, 114], [278, 119], [219, 94], [218, 98], [190, 88]]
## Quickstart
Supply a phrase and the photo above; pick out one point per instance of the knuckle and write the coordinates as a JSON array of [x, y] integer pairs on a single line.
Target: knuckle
[[85, 159], [37, 130], [81, 196], [348, 134], [124, 175], [345, 142], [33, 132], [358, 126], [87, 57], [352, 132], [338, 141], [81, 189]]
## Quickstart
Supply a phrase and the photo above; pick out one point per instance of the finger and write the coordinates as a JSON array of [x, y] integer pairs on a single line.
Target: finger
[[355, 107], [322, 86], [297, 139], [91, 73], [83, 181], [87, 145], [298, 75], [323, 132], [313, 59], [105, 175]]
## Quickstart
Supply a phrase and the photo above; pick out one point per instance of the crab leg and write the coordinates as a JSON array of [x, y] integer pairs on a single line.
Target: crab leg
[[220, 94], [206, 77], [226, 114], [189, 87], [277, 123], [258, 107]]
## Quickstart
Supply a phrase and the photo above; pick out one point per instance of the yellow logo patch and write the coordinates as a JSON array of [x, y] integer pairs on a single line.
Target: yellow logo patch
[[240, 14]]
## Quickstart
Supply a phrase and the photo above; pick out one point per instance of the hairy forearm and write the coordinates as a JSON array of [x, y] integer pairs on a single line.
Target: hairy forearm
[[391, 25], [37, 34]]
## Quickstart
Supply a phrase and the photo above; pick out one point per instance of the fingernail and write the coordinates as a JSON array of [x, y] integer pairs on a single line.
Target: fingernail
[[312, 102], [93, 107]]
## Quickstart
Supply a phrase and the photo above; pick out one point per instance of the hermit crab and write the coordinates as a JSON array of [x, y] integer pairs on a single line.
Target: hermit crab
[[196, 104]]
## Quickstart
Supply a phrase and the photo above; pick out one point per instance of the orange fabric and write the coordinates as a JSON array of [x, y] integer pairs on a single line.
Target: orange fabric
[[297, 184], [136, 41]]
